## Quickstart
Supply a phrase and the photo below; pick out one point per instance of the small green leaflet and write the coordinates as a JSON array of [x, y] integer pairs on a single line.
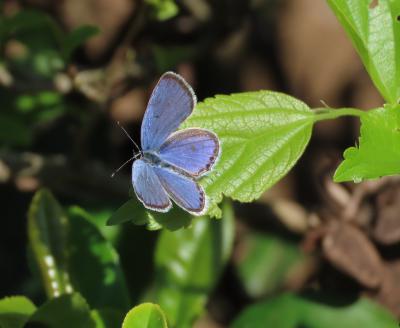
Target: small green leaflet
[[262, 136], [378, 152], [163, 9], [15, 311], [375, 32], [145, 315]]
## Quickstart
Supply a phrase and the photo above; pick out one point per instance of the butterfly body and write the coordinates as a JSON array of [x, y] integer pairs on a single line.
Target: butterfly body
[[172, 161]]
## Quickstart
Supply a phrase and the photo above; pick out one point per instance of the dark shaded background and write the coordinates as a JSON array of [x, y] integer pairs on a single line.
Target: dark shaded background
[[58, 130]]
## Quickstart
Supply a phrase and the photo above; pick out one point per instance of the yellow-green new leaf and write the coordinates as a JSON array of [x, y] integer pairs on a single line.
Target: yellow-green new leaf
[[146, 315], [374, 29], [262, 136], [15, 311], [378, 152]]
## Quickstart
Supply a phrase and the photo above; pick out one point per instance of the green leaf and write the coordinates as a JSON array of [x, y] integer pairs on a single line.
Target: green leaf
[[316, 311], [47, 233], [65, 311], [146, 315], [15, 311], [163, 9], [378, 152], [135, 212], [375, 32], [107, 318], [266, 262], [132, 210], [188, 264], [76, 38], [13, 131], [26, 21], [262, 136], [94, 264]]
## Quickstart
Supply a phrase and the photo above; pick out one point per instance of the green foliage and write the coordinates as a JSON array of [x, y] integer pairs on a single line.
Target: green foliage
[[43, 50], [375, 32], [291, 311], [262, 136], [378, 152], [13, 131], [266, 261], [163, 9], [107, 318], [188, 264], [94, 264], [132, 210], [135, 212], [146, 315], [48, 233], [73, 255], [28, 22], [15, 311], [66, 311]]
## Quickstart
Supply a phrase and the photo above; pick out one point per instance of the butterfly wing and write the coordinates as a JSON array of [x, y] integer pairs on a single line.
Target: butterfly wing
[[171, 102], [148, 187], [184, 190], [192, 150]]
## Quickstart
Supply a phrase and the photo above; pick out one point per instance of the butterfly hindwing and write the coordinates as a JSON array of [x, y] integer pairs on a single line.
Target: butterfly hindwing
[[184, 190], [171, 102], [148, 187], [192, 150]]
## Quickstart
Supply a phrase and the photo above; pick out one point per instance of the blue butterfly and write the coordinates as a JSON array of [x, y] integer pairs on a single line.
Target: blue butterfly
[[172, 161]]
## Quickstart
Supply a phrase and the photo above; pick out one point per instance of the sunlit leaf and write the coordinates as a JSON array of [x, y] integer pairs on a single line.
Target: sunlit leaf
[[188, 264], [15, 311], [48, 233], [94, 264], [163, 9], [314, 311], [378, 152], [262, 136], [374, 28], [146, 315], [65, 311]]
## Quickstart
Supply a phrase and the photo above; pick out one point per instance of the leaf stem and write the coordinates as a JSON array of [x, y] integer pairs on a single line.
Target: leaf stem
[[329, 113]]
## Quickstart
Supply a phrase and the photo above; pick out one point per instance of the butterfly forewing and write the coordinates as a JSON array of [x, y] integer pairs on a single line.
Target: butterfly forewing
[[171, 102], [191, 150], [184, 190], [148, 187]]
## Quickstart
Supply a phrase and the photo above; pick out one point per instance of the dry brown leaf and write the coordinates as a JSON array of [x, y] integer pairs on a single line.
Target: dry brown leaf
[[387, 227], [389, 293], [348, 249]]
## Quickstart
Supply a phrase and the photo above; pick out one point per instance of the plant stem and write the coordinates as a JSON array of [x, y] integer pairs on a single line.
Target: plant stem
[[329, 114]]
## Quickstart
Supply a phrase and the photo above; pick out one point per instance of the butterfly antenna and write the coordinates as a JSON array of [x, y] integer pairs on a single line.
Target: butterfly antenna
[[130, 138], [129, 160]]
